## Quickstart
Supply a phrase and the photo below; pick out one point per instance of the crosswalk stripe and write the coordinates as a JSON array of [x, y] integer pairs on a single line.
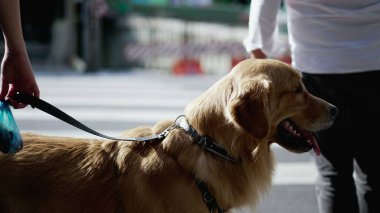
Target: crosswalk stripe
[[99, 115], [92, 102], [119, 92], [295, 173]]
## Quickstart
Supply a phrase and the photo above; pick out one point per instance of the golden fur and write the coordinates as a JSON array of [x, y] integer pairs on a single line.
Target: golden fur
[[240, 112]]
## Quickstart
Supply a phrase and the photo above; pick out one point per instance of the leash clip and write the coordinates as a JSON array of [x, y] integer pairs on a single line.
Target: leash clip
[[166, 132]]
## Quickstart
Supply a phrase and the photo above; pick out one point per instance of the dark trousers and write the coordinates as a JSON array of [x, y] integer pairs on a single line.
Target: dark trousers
[[348, 181]]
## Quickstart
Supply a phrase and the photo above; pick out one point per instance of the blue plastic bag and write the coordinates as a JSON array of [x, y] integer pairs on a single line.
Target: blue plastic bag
[[10, 138]]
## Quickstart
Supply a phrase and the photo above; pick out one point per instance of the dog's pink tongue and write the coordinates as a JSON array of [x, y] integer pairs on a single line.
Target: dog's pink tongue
[[311, 139]]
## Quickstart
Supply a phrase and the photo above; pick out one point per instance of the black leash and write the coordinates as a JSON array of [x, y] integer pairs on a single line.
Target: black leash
[[54, 111], [181, 122]]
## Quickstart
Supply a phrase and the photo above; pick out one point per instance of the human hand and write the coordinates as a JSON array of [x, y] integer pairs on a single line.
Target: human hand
[[17, 76], [258, 53]]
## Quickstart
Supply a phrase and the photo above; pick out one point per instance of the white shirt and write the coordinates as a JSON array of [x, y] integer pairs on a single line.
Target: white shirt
[[325, 36]]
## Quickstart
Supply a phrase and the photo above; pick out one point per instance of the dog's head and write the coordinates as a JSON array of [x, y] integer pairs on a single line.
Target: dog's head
[[267, 100], [272, 102]]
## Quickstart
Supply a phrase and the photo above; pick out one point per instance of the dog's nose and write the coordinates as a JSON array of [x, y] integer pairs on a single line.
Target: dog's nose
[[334, 112]]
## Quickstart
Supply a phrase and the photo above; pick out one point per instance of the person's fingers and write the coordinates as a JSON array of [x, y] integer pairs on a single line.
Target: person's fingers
[[32, 90], [4, 89], [36, 91], [258, 53], [15, 104]]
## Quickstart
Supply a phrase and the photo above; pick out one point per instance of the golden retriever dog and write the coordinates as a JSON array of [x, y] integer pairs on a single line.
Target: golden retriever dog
[[258, 103]]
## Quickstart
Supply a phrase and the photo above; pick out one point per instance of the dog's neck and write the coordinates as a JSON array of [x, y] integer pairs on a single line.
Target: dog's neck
[[209, 119], [207, 143]]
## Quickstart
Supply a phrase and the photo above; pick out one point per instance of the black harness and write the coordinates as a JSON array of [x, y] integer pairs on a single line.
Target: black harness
[[204, 142], [209, 145], [208, 198]]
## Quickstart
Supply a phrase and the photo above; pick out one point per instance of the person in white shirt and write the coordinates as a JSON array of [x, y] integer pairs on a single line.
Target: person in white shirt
[[336, 45]]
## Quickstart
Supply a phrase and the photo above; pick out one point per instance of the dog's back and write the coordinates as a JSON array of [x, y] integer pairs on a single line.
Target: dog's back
[[52, 171], [59, 174]]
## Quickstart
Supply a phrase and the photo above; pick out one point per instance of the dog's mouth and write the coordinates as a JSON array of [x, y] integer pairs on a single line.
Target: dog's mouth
[[295, 139]]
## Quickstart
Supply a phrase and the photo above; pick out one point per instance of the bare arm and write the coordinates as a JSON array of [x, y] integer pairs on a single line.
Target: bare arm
[[16, 70], [262, 28], [10, 21]]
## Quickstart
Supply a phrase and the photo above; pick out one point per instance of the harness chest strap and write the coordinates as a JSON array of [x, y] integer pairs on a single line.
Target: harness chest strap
[[207, 197], [209, 145]]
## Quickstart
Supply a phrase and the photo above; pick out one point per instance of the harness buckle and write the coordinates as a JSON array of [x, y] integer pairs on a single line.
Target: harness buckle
[[207, 197]]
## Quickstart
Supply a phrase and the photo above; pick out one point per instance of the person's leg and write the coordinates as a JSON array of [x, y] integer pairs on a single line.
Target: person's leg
[[363, 189], [366, 113], [335, 186], [367, 181]]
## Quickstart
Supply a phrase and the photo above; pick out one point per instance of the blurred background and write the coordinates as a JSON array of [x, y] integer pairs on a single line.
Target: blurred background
[[178, 36], [119, 64]]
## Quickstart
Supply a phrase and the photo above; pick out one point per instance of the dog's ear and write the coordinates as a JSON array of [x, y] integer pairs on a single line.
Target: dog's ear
[[246, 109]]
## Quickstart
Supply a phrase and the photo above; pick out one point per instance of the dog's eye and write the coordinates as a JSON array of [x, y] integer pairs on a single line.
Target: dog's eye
[[299, 89]]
